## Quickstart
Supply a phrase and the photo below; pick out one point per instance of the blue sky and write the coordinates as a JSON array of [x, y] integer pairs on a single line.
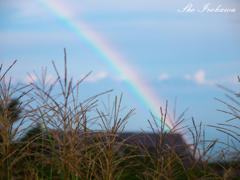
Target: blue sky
[[178, 54]]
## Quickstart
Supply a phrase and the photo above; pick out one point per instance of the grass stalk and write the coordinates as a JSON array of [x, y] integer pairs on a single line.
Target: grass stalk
[[53, 148]]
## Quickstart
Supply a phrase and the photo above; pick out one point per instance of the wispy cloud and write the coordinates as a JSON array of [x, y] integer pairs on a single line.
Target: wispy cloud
[[163, 76], [27, 8], [95, 78], [16, 38], [33, 78], [232, 79], [30, 78], [200, 77]]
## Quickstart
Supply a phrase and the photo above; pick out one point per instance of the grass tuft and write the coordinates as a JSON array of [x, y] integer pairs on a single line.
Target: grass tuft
[[53, 138]]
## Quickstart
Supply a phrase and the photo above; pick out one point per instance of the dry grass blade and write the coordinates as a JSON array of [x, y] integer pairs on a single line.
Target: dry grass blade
[[7, 70]]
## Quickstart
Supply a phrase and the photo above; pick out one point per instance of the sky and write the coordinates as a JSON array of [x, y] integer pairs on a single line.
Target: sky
[[151, 51]]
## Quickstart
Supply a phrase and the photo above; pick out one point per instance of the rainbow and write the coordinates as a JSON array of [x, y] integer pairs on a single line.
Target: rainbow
[[109, 56]]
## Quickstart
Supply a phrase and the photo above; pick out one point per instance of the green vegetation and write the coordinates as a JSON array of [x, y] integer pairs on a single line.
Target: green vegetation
[[57, 143]]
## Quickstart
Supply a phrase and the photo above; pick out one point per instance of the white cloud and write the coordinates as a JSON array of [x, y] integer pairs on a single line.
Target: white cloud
[[33, 78], [163, 76], [95, 78], [28, 79], [200, 77], [50, 78], [232, 79], [102, 75]]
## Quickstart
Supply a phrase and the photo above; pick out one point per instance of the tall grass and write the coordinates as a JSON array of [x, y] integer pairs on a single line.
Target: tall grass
[[59, 144]]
